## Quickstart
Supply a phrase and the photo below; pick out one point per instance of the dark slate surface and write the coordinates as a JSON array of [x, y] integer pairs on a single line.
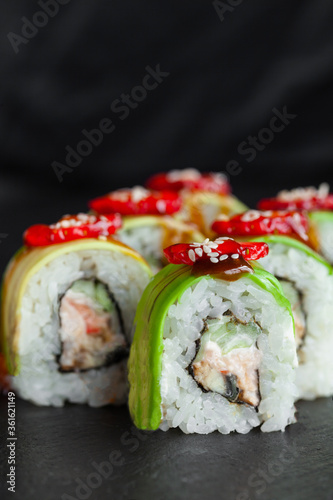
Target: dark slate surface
[[59, 448]]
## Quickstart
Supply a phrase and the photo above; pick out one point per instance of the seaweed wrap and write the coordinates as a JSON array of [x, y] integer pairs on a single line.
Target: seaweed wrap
[[306, 278], [319, 205], [148, 222], [204, 195], [214, 345], [69, 298]]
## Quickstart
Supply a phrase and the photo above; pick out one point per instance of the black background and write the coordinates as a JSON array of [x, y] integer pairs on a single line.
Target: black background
[[225, 77]]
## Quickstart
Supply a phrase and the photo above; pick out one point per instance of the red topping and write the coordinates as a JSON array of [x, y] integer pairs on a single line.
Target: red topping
[[255, 223], [190, 179], [72, 227], [4, 376], [300, 199], [137, 201], [215, 251]]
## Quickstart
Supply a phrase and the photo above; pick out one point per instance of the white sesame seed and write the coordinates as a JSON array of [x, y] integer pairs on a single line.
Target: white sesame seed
[[222, 217], [304, 193], [138, 193], [250, 216], [199, 252], [296, 223], [235, 256], [206, 241], [161, 206], [121, 194], [214, 254], [219, 177], [323, 190], [206, 249], [191, 255], [223, 257], [222, 239], [183, 175], [214, 260]]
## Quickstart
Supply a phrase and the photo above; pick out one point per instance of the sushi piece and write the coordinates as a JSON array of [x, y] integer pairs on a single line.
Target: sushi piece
[[319, 205], [69, 297], [307, 281], [148, 222], [214, 346], [205, 195]]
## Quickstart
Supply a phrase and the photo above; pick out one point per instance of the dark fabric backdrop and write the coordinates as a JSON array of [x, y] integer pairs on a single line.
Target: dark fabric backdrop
[[227, 71]]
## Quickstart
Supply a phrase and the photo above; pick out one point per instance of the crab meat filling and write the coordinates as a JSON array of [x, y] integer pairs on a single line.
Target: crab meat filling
[[90, 327], [228, 361]]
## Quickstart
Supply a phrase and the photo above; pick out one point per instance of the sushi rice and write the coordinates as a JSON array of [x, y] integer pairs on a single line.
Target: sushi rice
[[147, 240], [148, 235]]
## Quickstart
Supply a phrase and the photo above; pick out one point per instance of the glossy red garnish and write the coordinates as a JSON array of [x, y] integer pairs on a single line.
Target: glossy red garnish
[[137, 201], [216, 251], [255, 223], [72, 227], [4, 376], [300, 199], [192, 179]]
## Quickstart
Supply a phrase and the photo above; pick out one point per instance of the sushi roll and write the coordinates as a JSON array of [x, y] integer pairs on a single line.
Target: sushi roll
[[205, 195], [306, 279], [69, 298], [148, 222], [319, 205], [214, 346]]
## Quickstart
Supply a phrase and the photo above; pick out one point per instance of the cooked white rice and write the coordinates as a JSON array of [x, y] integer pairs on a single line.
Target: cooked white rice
[[314, 375], [184, 404], [147, 240], [39, 342]]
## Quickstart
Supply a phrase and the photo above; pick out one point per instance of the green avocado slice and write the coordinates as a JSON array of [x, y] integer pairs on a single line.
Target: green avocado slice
[[321, 216]]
